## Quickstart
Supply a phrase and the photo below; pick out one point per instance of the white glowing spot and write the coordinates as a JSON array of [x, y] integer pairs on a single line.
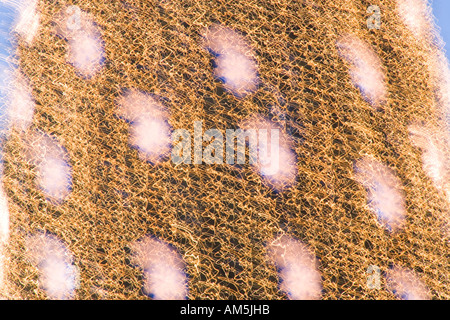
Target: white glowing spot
[[28, 18], [416, 15], [85, 46], [444, 90], [385, 197], [163, 269], [235, 62], [299, 275], [58, 277], [237, 71], [151, 136], [365, 69], [20, 103], [276, 160], [150, 131], [54, 175], [4, 216], [406, 285], [4, 235], [440, 71], [86, 53], [435, 161]]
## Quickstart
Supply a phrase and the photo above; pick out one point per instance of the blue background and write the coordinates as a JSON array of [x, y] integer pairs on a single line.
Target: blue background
[[441, 11]]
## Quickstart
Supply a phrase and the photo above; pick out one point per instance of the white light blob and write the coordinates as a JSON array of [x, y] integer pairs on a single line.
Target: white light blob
[[439, 68], [58, 277], [235, 62], [406, 285], [4, 236], [385, 196], [54, 177], [85, 46], [300, 278], [150, 131], [54, 173], [436, 162], [17, 101], [20, 103], [27, 18], [276, 161], [86, 54], [4, 216], [163, 269], [365, 69], [150, 135], [416, 15]]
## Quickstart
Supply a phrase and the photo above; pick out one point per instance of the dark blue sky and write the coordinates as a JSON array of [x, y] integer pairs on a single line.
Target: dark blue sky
[[441, 10]]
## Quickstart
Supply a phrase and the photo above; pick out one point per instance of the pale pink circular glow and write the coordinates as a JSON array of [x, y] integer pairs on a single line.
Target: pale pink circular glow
[[54, 172], [85, 53], [235, 62], [384, 192], [435, 154], [21, 104], [163, 269], [406, 285], [276, 160], [58, 277], [149, 130], [416, 15], [298, 268], [365, 69], [85, 50]]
